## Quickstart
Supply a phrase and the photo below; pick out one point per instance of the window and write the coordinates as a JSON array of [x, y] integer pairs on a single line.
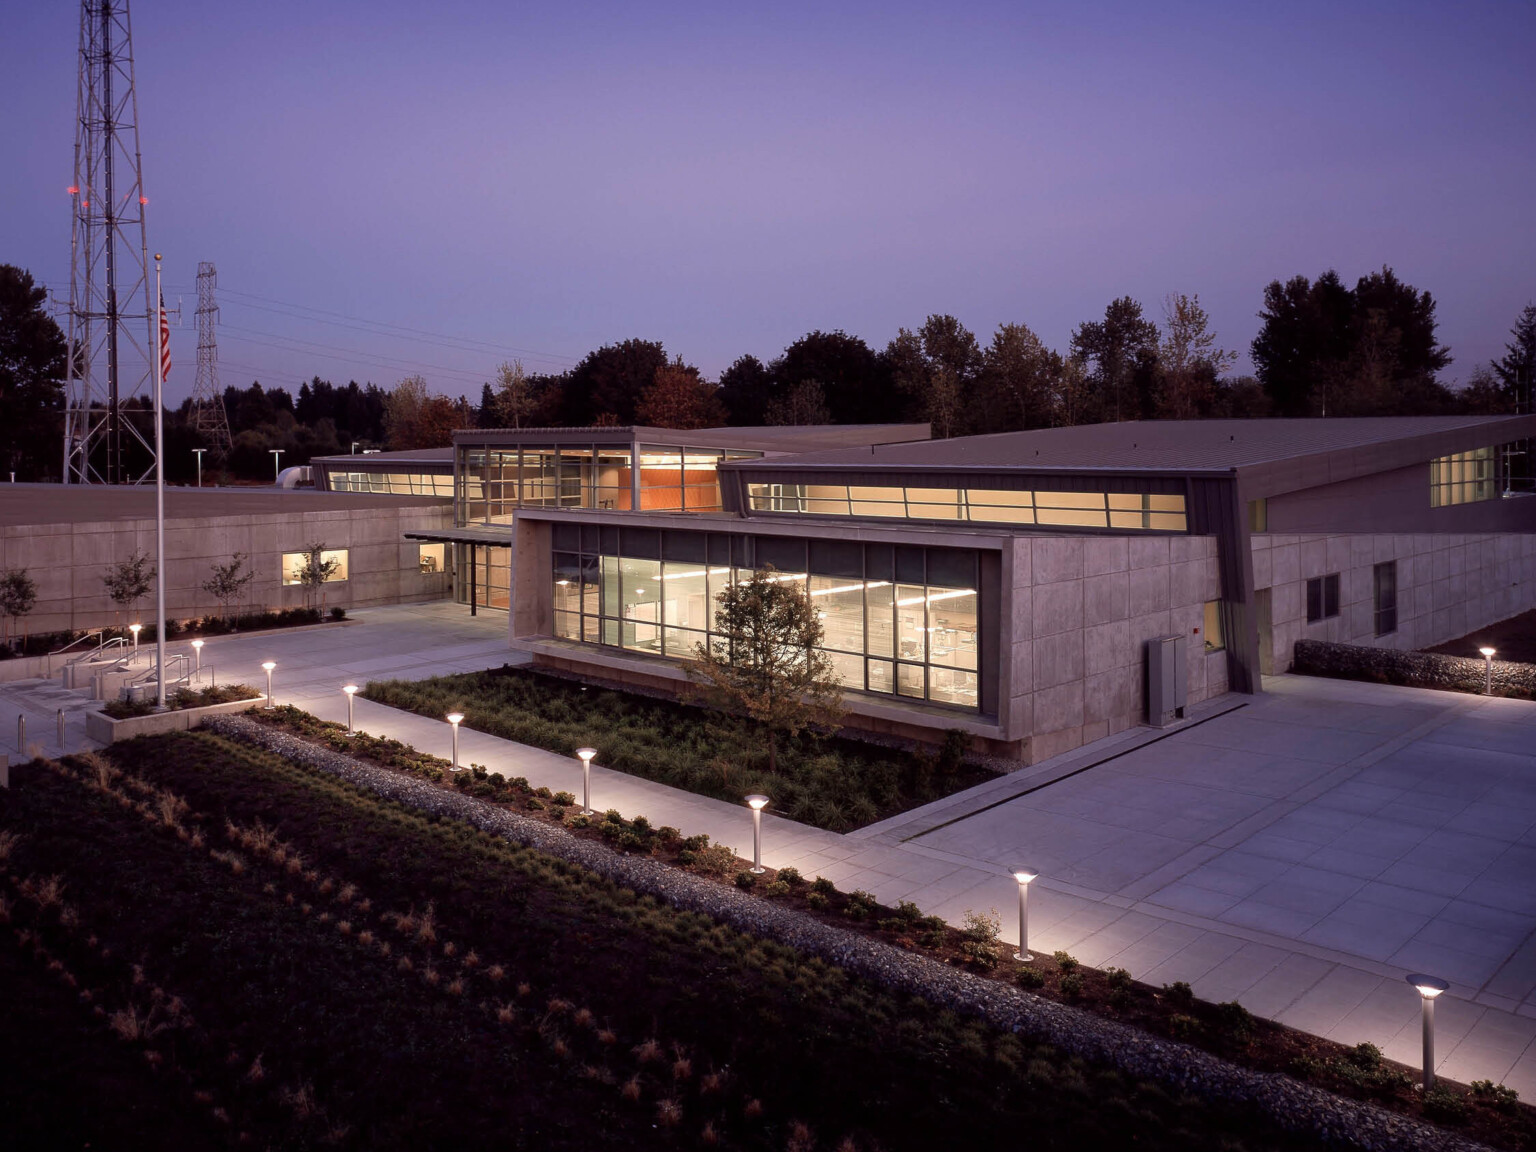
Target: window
[[431, 558], [1215, 639], [1463, 478], [293, 564], [1147, 511], [903, 624], [1258, 515], [1386, 597], [1322, 598]]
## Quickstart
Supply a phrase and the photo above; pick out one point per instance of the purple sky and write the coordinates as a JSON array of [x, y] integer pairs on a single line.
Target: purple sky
[[724, 181]]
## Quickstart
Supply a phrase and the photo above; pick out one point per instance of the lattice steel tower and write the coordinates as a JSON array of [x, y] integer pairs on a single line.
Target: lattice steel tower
[[111, 320], [208, 415]]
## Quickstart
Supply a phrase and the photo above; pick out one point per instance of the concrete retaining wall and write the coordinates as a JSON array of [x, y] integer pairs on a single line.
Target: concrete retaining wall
[[102, 728]]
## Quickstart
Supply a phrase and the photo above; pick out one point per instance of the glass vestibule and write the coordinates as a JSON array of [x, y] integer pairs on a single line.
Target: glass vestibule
[[491, 572], [896, 620]]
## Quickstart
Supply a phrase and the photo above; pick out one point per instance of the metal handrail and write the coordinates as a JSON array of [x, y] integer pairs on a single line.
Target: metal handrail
[[95, 653], [77, 640], [179, 658]]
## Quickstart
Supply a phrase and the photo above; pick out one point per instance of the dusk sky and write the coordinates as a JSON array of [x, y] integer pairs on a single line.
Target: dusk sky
[[533, 181]]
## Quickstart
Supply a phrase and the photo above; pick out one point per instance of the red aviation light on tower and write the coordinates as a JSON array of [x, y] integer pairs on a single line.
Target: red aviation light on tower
[[73, 190], [143, 200]]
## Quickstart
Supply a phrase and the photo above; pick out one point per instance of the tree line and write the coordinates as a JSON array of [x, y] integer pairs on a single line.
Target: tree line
[[1324, 348]]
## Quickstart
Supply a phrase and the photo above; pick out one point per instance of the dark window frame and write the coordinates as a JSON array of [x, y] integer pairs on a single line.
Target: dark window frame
[[1322, 598], [1384, 593]]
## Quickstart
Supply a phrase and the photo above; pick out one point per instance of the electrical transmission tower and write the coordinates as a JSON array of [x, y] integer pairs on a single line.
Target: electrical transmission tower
[[208, 415], [111, 316]]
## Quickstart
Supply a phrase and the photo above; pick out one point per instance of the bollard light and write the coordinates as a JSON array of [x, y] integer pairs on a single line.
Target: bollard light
[[757, 803], [351, 691], [267, 666], [1428, 987], [197, 651], [454, 718], [61, 730], [586, 755], [1488, 654], [1024, 876], [134, 628]]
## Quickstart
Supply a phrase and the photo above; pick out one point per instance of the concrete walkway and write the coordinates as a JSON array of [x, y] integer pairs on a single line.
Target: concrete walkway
[[1298, 851]]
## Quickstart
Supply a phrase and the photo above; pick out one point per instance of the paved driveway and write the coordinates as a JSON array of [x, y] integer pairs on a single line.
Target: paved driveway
[[1300, 852]]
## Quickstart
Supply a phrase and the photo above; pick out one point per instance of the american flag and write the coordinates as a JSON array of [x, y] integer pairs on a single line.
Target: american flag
[[165, 343]]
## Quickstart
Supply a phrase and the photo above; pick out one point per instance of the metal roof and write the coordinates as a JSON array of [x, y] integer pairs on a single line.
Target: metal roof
[[769, 438], [1179, 446], [427, 456]]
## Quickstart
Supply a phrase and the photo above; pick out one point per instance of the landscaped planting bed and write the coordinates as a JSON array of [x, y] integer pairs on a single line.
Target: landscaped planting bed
[[829, 781], [183, 698], [1172, 1011], [307, 963]]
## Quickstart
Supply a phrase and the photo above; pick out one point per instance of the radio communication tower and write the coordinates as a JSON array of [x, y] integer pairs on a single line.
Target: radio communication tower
[[208, 415], [111, 316]]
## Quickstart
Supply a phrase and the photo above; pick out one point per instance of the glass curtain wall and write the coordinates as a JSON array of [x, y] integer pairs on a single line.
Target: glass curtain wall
[[495, 482], [897, 621]]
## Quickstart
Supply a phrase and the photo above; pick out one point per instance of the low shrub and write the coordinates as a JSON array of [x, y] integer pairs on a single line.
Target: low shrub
[[1365, 1055], [1495, 1096], [1065, 961], [1445, 1105], [791, 876], [1235, 1021], [1029, 978], [1118, 979], [1413, 669], [1072, 986], [716, 860], [979, 942], [1182, 1025], [745, 879], [1179, 994], [823, 886]]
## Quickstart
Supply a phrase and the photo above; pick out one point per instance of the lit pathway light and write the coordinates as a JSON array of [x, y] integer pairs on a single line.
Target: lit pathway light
[[757, 803], [197, 651], [351, 691], [1429, 987], [1024, 876], [454, 718], [134, 628], [267, 666], [1488, 654], [586, 755]]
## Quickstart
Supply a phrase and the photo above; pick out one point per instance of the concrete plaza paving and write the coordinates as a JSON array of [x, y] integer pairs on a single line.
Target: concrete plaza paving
[[1299, 851]]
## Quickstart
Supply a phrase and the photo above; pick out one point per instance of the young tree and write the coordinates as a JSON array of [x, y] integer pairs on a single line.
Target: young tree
[[129, 581], [315, 571], [229, 581], [1189, 360], [416, 417], [679, 398], [18, 594], [765, 662], [516, 398]]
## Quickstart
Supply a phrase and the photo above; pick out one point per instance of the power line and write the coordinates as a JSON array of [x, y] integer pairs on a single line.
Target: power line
[[424, 334], [461, 376]]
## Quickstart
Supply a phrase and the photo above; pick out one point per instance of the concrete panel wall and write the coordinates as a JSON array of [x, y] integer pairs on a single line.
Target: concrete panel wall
[[1081, 609], [1393, 501], [1447, 585], [68, 561]]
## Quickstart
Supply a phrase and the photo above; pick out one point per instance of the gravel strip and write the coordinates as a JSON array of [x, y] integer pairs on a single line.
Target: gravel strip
[[1288, 1103]]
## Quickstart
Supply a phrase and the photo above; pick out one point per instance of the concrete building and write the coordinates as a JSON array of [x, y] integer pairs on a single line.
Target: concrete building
[[1003, 585], [66, 537]]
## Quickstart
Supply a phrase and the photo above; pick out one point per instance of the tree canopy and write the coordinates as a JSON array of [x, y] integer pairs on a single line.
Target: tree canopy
[[34, 357]]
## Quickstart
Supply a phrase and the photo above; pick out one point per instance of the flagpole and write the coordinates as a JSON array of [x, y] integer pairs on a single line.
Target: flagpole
[[159, 494]]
